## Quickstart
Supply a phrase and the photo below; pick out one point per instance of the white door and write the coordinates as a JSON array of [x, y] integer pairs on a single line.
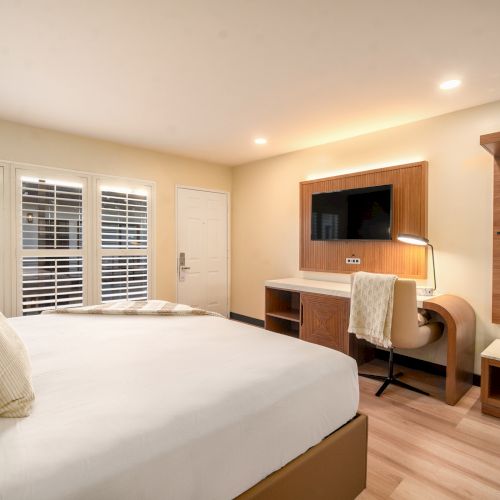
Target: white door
[[202, 249]]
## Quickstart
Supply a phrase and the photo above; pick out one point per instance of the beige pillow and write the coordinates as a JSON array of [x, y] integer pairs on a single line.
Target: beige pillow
[[16, 391]]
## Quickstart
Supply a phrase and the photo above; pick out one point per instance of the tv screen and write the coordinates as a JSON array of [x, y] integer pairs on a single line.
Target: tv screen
[[352, 214]]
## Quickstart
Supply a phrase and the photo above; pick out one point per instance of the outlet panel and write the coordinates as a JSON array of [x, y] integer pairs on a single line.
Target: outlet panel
[[353, 260]]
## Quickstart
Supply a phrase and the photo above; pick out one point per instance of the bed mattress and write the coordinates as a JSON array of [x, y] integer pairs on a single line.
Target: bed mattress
[[134, 407]]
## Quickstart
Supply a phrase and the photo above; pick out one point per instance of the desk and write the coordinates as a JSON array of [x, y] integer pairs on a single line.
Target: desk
[[318, 311], [333, 288]]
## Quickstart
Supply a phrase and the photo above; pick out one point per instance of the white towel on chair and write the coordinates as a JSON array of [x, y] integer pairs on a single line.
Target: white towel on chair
[[372, 297]]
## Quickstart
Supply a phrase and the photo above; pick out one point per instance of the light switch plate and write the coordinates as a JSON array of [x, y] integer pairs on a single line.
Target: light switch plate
[[427, 292]]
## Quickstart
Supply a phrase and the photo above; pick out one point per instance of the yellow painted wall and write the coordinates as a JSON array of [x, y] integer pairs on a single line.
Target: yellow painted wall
[[20, 143], [265, 200], [265, 209]]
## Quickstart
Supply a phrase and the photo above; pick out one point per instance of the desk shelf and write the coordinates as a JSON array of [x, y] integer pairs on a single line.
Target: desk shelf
[[291, 315], [284, 326], [283, 312]]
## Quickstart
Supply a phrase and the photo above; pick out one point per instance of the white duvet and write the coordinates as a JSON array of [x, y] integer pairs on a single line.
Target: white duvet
[[135, 407]]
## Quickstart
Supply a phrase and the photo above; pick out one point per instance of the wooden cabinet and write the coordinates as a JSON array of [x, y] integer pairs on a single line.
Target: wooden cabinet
[[324, 320], [490, 379]]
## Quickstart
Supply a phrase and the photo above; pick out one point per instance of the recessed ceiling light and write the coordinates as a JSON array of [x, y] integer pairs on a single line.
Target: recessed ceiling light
[[260, 141], [450, 84]]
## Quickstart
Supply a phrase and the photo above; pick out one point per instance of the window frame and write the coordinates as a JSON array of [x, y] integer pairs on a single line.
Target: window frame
[[4, 230], [20, 252], [7, 245], [132, 184], [11, 224]]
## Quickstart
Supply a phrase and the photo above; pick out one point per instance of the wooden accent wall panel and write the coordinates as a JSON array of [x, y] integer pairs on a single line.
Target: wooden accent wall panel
[[495, 299], [409, 211], [491, 142]]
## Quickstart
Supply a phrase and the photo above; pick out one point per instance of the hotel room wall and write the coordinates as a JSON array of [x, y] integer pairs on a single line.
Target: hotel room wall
[[24, 144], [265, 210]]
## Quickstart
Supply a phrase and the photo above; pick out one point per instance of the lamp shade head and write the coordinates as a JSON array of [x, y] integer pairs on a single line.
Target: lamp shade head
[[413, 239]]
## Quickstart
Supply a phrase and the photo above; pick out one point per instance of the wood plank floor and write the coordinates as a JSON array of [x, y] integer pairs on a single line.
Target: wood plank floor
[[421, 448]]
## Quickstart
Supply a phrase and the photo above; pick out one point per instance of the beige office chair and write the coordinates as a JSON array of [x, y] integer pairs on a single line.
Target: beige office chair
[[405, 332]]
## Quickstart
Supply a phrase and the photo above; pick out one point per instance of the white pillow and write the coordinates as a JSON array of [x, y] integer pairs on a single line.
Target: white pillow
[[16, 390]]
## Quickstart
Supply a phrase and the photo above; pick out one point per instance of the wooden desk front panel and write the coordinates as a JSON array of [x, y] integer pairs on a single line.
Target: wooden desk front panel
[[324, 320]]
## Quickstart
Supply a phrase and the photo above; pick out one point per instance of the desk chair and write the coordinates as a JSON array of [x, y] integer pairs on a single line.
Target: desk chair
[[406, 332]]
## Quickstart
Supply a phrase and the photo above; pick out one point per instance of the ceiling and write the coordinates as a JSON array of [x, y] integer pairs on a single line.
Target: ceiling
[[204, 78]]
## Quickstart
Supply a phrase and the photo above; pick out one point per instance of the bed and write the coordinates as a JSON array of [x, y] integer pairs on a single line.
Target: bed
[[194, 407]]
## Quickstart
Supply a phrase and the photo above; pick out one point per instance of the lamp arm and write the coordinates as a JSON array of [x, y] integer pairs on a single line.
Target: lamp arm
[[433, 265]]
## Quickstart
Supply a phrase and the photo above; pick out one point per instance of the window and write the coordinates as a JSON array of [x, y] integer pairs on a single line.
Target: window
[[124, 219], [124, 249], [51, 244], [77, 239], [124, 278], [52, 214], [51, 282]]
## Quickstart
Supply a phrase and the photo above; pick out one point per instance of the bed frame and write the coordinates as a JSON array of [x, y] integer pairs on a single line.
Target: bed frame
[[333, 469]]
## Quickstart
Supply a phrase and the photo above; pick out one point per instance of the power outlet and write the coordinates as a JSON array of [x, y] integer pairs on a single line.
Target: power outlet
[[353, 260]]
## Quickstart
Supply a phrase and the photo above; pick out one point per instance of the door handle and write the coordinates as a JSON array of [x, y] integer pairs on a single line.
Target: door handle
[[182, 266], [301, 314]]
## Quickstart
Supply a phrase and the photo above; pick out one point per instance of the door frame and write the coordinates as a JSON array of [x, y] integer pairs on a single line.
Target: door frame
[[228, 238]]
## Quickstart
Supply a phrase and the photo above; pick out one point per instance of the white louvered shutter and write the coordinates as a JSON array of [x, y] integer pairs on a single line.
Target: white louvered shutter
[[51, 246], [124, 245]]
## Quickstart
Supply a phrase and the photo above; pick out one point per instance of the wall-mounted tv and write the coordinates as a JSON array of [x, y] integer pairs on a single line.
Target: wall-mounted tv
[[352, 214]]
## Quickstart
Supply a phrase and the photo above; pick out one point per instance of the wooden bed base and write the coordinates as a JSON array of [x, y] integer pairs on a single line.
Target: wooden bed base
[[334, 469]]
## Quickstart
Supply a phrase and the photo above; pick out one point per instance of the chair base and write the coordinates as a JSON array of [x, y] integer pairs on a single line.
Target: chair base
[[392, 379]]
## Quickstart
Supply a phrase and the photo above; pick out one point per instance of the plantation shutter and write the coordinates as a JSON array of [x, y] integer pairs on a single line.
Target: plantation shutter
[[51, 244], [124, 246]]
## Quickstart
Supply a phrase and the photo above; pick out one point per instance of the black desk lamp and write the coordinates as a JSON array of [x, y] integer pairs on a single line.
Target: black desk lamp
[[412, 239]]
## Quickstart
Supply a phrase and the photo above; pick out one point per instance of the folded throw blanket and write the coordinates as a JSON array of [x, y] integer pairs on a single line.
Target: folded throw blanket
[[372, 297], [142, 307]]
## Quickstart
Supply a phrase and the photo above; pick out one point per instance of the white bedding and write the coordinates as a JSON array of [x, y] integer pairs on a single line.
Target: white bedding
[[136, 407]]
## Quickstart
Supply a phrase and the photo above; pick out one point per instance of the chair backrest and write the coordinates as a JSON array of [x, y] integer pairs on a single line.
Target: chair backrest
[[404, 315]]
